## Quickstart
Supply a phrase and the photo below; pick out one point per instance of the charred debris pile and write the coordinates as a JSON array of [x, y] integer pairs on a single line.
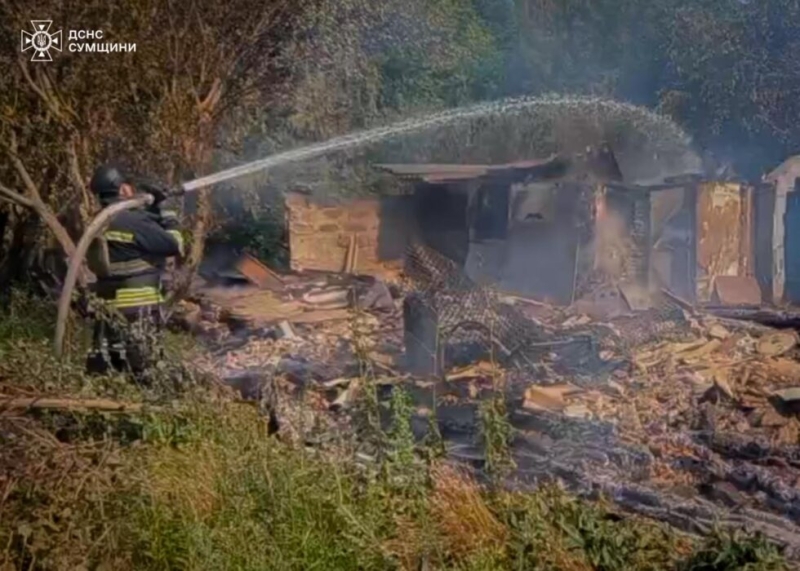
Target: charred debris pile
[[670, 411], [634, 332]]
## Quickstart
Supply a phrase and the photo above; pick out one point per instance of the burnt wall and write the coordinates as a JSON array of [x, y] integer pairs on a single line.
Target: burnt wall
[[633, 210], [539, 257], [320, 234], [440, 212], [764, 219]]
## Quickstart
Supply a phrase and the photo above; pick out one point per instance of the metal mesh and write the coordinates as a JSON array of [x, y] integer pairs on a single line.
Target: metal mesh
[[467, 313], [467, 316]]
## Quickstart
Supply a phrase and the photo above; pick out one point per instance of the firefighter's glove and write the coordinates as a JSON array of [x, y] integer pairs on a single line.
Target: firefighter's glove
[[168, 219], [159, 194], [158, 191]]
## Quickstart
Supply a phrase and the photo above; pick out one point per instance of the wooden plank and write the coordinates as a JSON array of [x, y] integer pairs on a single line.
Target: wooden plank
[[719, 234], [259, 274], [321, 316], [736, 290]]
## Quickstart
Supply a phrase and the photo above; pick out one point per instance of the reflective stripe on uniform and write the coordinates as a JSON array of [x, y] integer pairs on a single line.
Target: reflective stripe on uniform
[[178, 237], [131, 267], [117, 236], [136, 297]]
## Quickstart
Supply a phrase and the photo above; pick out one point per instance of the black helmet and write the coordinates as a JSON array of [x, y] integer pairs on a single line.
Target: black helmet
[[106, 181]]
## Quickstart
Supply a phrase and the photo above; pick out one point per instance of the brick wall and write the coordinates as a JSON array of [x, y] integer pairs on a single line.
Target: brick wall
[[319, 235]]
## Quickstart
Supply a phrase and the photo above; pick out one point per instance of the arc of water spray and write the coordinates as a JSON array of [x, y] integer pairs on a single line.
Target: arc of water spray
[[503, 107]]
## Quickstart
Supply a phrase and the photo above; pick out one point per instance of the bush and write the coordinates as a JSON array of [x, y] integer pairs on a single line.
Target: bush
[[257, 228]]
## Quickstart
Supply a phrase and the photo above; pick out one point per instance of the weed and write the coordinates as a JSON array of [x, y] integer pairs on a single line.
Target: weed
[[401, 438], [496, 432], [202, 486], [25, 317], [434, 445], [462, 516], [726, 551], [367, 410], [496, 429]]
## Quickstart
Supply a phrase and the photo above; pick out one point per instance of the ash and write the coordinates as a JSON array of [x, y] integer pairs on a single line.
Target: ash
[[674, 414]]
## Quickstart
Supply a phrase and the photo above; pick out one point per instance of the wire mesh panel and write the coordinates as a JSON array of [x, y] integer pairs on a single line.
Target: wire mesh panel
[[453, 319], [421, 337], [466, 313]]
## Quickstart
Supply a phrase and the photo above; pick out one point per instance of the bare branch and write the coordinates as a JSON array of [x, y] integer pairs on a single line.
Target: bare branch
[[44, 93], [206, 106], [47, 216], [15, 197], [31, 187], [26, 73], [52, 92], [74, 167]]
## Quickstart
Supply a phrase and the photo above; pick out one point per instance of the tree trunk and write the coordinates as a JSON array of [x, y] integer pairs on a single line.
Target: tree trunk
[[58, 229], [200, 228], [200, 154]]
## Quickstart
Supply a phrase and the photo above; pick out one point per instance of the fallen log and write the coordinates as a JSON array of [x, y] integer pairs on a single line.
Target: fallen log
[[731, 445], [589, 471], [48, 403], [770, 317]]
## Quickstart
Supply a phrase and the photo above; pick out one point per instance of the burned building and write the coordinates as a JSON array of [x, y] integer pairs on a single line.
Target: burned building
[[555, 229], [523, 226], [778, 207]]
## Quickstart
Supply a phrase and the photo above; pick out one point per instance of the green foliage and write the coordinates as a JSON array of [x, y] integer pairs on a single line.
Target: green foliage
[[734, 75], [375, 62], [555, 531], [727, 71], [25, 317], [257, 232], [226, 496], [729, 551], [201, 485], [465, 66], [496, 431]]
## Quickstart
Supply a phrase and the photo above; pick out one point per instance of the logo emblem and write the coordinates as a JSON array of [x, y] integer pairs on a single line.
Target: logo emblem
[[41, 40]]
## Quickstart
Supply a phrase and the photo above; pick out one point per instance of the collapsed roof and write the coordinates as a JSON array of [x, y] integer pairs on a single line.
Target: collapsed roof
[[601, 164]]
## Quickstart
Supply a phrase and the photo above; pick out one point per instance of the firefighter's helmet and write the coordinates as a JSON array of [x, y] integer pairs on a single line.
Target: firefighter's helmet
[[106, 181]]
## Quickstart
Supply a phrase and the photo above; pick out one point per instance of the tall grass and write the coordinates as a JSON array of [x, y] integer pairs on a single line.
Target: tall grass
[[203, 487]]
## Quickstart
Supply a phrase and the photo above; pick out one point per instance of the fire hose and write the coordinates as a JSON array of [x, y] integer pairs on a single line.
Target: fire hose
[[103, 219], [95, 228]]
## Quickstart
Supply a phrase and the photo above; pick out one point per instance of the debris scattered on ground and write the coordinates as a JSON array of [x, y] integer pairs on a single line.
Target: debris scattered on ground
[[639, 403], [259, 274]]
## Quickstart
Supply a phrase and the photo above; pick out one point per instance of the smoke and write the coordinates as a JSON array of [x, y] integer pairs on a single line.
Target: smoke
[[612, 244]]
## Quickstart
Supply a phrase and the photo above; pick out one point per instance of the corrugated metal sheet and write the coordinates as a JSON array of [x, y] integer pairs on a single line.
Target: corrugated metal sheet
[[449, 172], [421, 170]]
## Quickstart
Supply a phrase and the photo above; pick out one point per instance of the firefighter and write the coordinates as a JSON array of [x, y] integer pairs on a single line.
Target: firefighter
[[137, 245]]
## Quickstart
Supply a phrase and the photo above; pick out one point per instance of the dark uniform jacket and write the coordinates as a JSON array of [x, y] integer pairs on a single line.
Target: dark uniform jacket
[[139, 243]]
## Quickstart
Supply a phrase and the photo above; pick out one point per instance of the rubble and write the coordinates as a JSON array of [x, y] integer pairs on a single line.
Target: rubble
[[671, 411], [259, 274]]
